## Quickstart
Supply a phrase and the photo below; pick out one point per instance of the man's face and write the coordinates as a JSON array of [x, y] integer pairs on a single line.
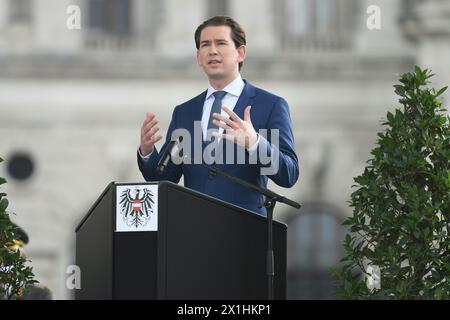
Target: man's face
[[217, 54]]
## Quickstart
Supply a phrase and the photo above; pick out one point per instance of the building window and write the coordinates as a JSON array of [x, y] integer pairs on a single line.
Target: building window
[[218, 8], [314, 246], [124, 25], [20, 11], [20, 166], [111, 16], [319, 25]]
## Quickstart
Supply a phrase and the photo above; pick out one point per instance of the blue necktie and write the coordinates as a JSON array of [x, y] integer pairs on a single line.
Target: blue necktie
[[216, 108]]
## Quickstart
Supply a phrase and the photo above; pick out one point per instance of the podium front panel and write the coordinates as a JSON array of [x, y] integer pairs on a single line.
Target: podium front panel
[[213, 250], [94, 250]]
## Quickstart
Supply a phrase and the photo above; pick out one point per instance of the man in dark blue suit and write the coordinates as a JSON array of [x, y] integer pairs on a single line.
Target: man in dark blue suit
[[233, 120]]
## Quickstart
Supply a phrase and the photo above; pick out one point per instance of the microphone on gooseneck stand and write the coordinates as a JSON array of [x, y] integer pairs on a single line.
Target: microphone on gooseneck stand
[[171, 150]]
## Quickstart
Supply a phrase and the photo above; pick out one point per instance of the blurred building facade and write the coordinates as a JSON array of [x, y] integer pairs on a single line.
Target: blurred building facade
[[72, 103]]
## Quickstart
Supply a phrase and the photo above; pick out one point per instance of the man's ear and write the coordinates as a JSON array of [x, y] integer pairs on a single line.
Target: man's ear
[[242, 53], [198, 61]]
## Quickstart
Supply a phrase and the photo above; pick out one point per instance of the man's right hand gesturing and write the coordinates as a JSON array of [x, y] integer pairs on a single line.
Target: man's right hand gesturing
[[149, 135]]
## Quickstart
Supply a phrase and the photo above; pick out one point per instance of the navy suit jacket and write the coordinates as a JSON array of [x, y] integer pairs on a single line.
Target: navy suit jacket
[[268, 112]]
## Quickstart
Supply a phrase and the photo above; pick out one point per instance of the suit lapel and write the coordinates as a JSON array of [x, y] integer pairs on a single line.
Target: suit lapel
[[245, 99], [197, 110], [190, 117]]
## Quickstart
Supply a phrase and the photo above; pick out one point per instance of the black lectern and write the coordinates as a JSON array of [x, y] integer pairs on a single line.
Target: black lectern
[[164, 241]]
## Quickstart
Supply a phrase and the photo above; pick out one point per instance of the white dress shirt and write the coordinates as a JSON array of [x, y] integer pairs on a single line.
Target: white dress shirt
[[233, 90]]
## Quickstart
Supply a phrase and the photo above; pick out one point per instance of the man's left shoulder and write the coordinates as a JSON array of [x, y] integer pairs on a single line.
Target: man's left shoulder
[[268, 97]]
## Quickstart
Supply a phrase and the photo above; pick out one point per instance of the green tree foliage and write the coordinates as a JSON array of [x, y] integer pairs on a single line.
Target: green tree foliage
[[401, 209], [15, 275]]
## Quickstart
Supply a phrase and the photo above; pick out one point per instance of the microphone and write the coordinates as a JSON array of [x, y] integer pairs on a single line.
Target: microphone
[[171, 150]]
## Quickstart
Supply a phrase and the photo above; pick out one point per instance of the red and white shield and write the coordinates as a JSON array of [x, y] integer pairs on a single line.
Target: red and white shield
[[136, 204]]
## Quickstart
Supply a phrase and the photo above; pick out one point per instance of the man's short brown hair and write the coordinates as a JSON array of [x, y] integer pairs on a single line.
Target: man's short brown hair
[[237, 33]]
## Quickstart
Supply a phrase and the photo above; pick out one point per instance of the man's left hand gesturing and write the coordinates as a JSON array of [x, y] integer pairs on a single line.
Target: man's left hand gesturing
[[236, 130]]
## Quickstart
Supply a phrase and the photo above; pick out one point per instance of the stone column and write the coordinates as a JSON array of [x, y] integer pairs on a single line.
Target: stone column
[[260, 29], [147, 21], [50, 28], [3, 23], [181, 18], [430, 27], [389, 39], [3, 14]]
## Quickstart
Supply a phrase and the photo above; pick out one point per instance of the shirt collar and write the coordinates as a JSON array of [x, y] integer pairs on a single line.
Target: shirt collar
[[235, 88]]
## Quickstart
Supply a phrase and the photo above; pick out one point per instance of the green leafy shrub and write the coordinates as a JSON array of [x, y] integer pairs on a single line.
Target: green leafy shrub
[[401, 208], [15, 275]]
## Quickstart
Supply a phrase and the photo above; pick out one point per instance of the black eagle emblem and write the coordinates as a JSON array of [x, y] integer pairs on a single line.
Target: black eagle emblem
[[135, 210]]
